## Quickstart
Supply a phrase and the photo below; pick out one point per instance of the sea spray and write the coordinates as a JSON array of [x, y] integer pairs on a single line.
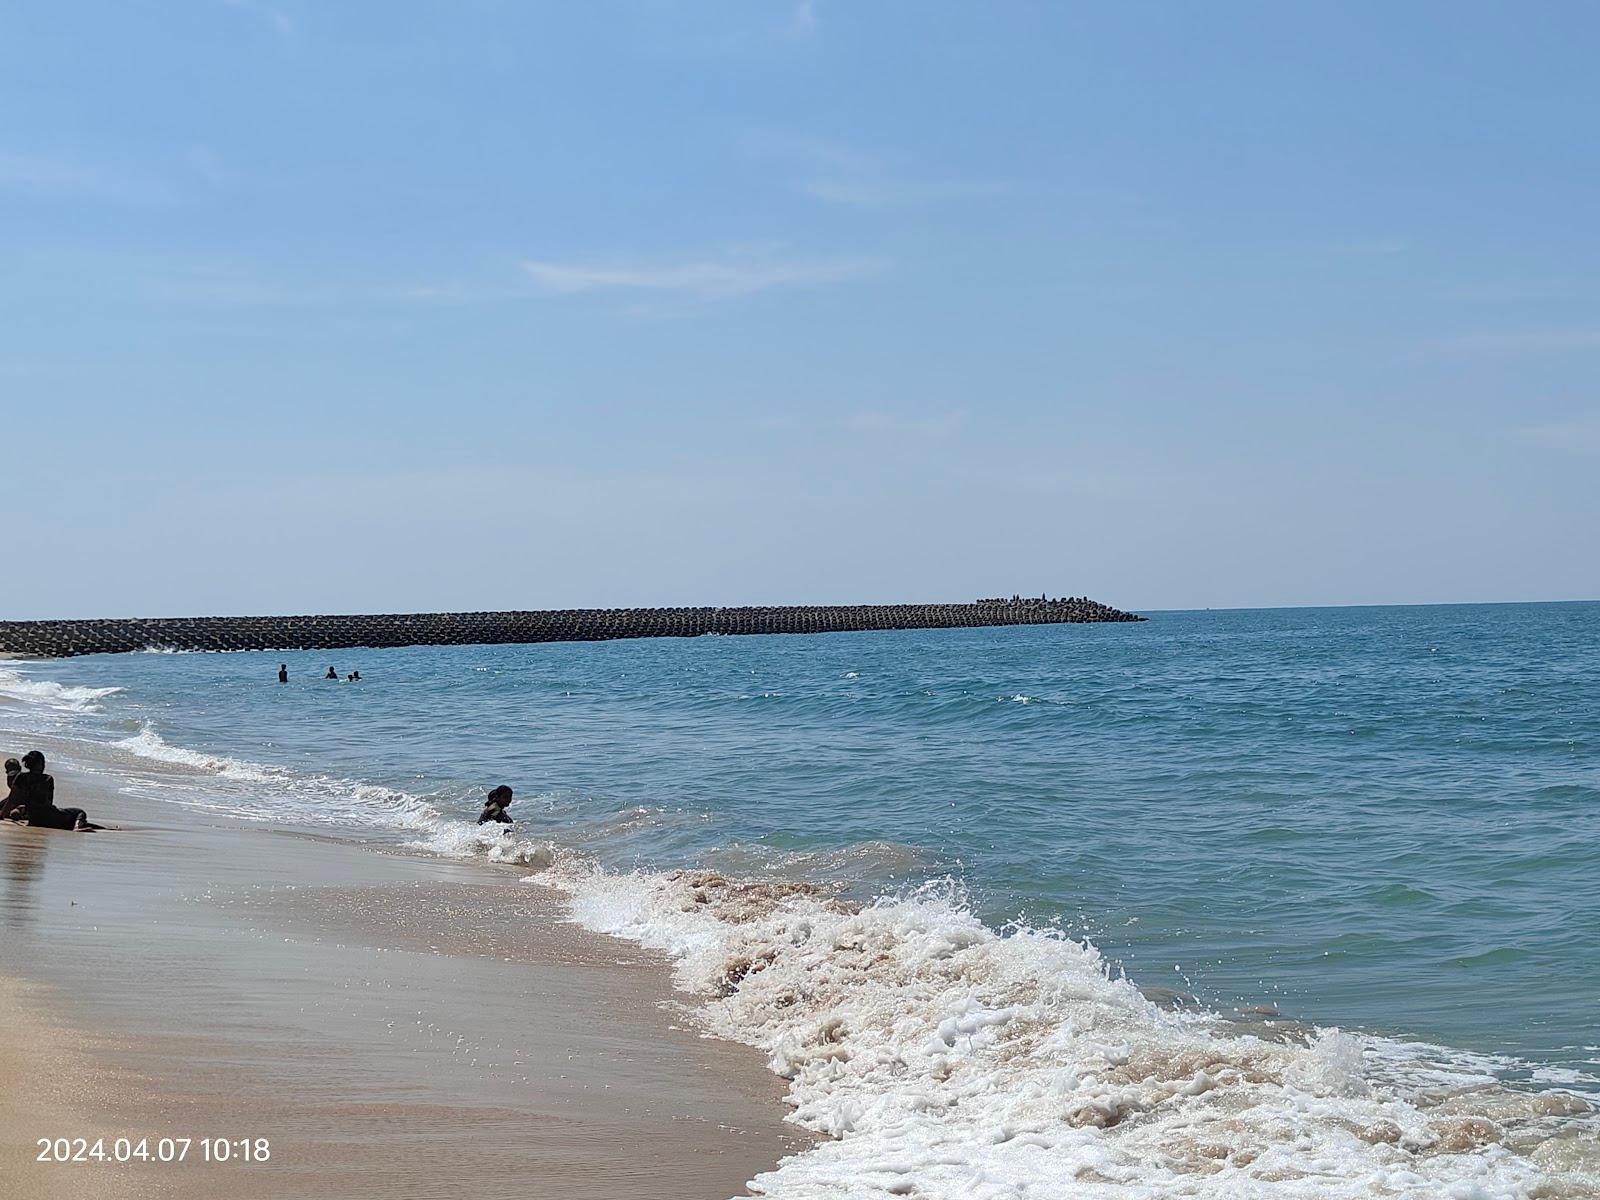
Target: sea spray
[[493, 843]]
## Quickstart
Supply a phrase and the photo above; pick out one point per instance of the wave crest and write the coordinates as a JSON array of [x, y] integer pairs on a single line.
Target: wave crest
[[278, 793], [52, 694]]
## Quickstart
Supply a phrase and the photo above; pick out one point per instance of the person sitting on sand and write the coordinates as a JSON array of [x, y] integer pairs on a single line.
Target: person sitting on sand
[[38, 793], [11, 807], [495, 808]]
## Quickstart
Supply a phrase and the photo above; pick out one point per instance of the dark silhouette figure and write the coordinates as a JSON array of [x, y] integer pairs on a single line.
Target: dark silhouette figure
[[38, 793], [283, 672], [495, 807], [11, 806], [332, 674], [353, 677]]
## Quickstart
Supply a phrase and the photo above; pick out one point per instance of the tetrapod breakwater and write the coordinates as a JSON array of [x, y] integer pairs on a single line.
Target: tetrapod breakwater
[[62, 639]]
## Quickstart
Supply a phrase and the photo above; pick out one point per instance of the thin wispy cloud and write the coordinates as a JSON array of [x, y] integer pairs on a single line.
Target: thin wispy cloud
[[1580, 435], [206, 163], [939, 425], [279, 21], [1529, 341], [54, 177], [886, 192], [1503, 293], [225, 289], [1372, 247], [221, 293], [839, 174], [766, 30], [720, 278]]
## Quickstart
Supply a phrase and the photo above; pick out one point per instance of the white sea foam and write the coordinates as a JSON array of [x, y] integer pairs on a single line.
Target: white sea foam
[[147, 743], [266, 792], [495, 843], [946, 1060], [52, 694]]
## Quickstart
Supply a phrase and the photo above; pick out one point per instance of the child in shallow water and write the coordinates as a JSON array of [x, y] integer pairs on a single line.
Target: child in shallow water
[[11, 805], [495, 807]]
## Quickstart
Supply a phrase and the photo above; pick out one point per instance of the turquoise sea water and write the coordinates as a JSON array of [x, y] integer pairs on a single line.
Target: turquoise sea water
[[1385, 819]]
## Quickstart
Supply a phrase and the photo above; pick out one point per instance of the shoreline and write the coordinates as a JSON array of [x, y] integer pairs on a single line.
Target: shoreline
[[199, 978]]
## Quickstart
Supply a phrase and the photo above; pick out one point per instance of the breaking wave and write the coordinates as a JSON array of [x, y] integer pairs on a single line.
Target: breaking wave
[[54, 695], [270, 793], [946, 1059]]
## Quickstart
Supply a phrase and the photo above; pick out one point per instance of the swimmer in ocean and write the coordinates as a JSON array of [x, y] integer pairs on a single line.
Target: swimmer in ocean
[[494, 808]]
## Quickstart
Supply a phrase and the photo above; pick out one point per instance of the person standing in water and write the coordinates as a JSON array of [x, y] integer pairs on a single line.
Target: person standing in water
[[38, 793], [283, 672], [494, 808], [332, 674]]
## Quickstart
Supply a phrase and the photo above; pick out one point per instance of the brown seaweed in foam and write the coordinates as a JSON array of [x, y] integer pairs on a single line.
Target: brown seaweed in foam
[[740, 967], [1463, 1134], [738, 902], [1181, 1066]]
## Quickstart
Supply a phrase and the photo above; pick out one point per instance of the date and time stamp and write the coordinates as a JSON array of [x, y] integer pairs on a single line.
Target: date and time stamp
[[239, 1151]]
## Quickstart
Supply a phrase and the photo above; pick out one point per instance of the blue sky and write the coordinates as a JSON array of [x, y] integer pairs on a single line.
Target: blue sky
[[361, 306]]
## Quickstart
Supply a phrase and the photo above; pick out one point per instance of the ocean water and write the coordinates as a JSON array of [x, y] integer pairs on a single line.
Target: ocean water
[[1195, 905]]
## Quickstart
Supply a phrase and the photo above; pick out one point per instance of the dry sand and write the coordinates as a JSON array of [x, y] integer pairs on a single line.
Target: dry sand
[[396, 1026]]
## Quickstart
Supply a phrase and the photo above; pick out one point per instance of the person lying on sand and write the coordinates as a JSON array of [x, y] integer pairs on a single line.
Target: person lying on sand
[[11, 807], [495, 808], [38, 794]]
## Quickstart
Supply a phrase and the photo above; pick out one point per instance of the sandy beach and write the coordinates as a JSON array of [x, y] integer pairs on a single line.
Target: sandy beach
[[191, 977]]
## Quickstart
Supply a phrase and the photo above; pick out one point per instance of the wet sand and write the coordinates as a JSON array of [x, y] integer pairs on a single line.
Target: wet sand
[[393, 1025]]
